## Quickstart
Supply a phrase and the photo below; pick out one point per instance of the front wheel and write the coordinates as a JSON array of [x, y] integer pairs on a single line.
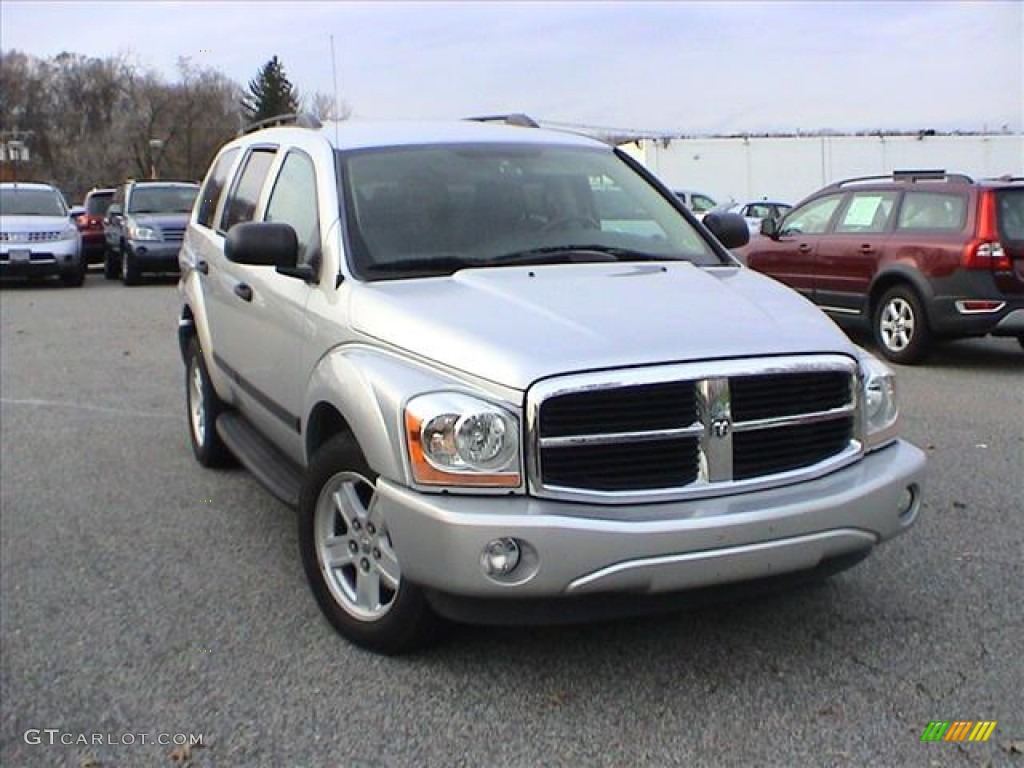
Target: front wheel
[[130, 274], [901, 327], [350, 561], [204, 406], [76, 277]]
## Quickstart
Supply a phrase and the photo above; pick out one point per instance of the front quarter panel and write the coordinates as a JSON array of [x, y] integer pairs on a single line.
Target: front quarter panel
[[369, 388]]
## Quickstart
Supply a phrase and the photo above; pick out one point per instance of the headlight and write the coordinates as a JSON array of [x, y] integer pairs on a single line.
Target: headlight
[[881, 411], [139, 232], [455, 439], [68, 234]]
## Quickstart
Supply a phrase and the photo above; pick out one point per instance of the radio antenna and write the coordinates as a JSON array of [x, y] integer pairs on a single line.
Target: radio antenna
[[334, 69]]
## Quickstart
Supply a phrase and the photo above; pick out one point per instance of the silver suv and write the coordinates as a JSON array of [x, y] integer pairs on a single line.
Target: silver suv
[[504, 376], [37, 235]]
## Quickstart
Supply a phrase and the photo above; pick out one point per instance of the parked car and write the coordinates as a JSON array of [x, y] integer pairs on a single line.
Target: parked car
[[697, 202], [90, 223], [492, 398], [144, 227], [37, 236], [918, 256], [756, 211]]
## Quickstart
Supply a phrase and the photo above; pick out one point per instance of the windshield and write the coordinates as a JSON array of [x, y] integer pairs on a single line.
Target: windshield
[[420, 211], [31, 202], [176, 199]]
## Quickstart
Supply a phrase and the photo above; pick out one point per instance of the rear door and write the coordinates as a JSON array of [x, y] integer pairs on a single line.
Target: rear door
[[791, 256], [849, 255]]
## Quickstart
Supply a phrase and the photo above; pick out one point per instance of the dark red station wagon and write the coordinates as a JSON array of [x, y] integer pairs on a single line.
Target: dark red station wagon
[[918, 256]]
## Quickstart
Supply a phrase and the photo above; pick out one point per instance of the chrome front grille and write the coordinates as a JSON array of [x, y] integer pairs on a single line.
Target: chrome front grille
[[30, 237], [692, 429]]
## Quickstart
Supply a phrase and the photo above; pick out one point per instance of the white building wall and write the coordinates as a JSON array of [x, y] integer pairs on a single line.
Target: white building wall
[[791, 168]]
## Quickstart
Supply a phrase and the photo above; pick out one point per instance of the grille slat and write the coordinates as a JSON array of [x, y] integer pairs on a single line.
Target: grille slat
[[643, 408]]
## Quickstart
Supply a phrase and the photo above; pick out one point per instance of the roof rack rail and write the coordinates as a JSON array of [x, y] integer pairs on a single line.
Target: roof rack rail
[[515, 118], [905, 175], [299, 120]]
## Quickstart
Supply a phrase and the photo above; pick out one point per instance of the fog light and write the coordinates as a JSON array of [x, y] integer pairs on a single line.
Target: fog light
[[500, 557]]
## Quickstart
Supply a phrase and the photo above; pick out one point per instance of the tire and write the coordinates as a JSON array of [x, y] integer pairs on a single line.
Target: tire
[[357, 579], [900, 326], [129, 269], [75, 278], [203, 407], [111, 265], [1020, 340]]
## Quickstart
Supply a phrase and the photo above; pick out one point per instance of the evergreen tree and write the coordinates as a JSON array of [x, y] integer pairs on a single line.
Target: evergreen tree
[[270, 94]]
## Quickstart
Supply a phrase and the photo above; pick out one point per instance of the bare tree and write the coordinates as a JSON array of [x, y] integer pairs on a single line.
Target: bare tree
[[323, 107]]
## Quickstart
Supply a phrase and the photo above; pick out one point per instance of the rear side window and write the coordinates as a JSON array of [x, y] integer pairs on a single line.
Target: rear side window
[[214, 188], [1010, 210], [935, 211], [241, 205]]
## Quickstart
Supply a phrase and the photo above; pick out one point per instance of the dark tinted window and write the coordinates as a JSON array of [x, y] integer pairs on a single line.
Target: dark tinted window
[[293, 201], [97, 203], [214, 187], [31, 202], [156, 198], [241, 205], [1010, 210]]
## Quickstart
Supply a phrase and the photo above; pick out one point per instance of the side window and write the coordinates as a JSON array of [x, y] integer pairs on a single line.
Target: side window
[[813, 218], [867, 212], [214, 187], [932, 210], [293, 201], [241, 204]]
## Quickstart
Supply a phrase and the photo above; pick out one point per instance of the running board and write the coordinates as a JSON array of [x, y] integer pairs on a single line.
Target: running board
[[273, 469]]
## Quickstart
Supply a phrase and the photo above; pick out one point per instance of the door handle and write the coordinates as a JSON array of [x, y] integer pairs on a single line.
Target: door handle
[[202, 266], [804, 248], [866, 248], [243, 291]]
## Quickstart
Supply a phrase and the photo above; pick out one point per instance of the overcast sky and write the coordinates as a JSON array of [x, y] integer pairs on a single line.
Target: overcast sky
[[664, 67]]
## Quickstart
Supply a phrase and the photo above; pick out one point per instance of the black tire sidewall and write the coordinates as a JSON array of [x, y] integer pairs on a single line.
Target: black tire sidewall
[[213, 452], [920, 341], [409, 624]]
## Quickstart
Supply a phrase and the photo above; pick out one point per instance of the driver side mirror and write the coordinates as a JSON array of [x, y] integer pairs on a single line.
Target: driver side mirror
[[770, 228], [114, 211]]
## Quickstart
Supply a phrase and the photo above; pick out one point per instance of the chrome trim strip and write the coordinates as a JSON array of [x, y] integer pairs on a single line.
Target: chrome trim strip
[[988, 311], [605, 438], [813, 417]]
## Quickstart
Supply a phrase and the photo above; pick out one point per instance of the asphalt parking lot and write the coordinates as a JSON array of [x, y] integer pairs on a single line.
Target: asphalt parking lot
[[146, 597]]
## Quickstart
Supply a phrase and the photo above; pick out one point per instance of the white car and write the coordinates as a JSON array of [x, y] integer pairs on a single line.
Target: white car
[[697, 202], [37, 235], [755, 211]]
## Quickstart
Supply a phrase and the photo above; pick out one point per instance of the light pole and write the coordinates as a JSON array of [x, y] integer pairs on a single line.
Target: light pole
[[155, 145]]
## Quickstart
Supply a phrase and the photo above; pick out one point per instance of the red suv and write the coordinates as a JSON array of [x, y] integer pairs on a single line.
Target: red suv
[[90, 224], [919, 256]]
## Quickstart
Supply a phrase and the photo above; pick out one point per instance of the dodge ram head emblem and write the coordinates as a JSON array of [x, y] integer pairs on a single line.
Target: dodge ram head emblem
[[720, 427]]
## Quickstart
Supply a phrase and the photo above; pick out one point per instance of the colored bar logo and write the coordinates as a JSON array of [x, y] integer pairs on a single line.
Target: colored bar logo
[[958, 730]]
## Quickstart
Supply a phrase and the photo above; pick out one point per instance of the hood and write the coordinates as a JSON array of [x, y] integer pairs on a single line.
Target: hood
[[516, 325], [35, 223]]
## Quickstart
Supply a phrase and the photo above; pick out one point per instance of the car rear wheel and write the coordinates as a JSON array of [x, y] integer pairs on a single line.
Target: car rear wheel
[[350, 561], [901, 327], [204, 406]]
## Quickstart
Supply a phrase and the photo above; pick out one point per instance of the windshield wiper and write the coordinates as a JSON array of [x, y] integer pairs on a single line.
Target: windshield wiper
[[423, 265], [578, 254]]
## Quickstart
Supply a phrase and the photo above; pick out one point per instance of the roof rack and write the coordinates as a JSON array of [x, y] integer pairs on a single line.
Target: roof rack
[[299, 120], [910, 175], [516, 118]]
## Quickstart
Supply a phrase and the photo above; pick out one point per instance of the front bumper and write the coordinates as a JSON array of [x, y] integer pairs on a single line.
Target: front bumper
[[40, 260], [155, 256], [583, 549]]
